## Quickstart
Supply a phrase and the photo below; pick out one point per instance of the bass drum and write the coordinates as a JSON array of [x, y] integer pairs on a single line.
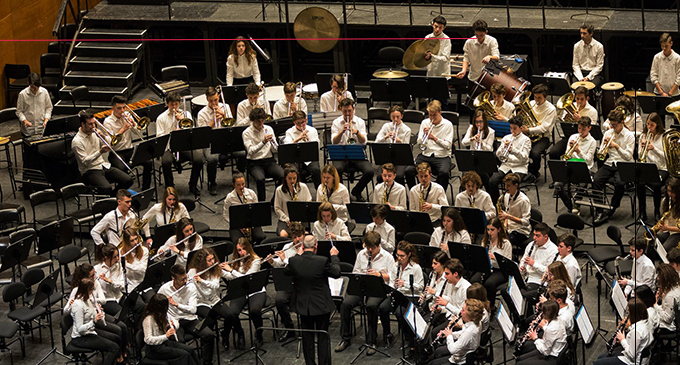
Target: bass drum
[[610, 92], [513, 85]]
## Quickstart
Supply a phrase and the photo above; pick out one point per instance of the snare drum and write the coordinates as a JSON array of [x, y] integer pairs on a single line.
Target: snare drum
[[310, 91], [610, 92]]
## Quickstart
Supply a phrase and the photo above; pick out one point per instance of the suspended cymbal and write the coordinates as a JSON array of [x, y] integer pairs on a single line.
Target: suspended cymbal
[[587, 84], [316, 29], [414, 57], [634, 93], [390, 74], [612, 86]]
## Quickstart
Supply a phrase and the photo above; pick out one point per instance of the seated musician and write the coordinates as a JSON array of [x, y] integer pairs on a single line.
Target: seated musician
[[559, 292], [631, 340], [332, 190], [668, 289], [380, 225], [110, 275], [619, 142], [545, 113], [249, 265], [546, 349], [184, 241], [167, 122], [496, 241], [134, 257], [588, 58], [290, 190], [538, 254], [290, 103], [213, 115], [350, 129], [462, 342], [183, 306], [668, 232], [242, 65], [114, 222], [515, 211], [436, 283], [452, 229], [260, 143], [389, 191], [647, 296], [665, 68], [504, 109], [427, 196], [632, 120], [674, 259], [328, 226], [122, 123], [34, 107], [330, 100], [170, 210], [89, 151], [582, 146], [301, 132], [583, 109], [473, 196], [565, 247], [479, 135], [451, 302], [160, 333], [436, 139], [650, 150], [514, 155], [375, 261], [241, 195], [254, 99], [395, 132], [643, 272]]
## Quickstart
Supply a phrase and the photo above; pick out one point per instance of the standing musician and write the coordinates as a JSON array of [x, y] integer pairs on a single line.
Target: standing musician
[[192, 241], [350, 129], [583, 109], [290, 103], [665, 71], [183, 306], [643, 272], [651, 150], [669, 232], [372, 260], [290, 190], [111, 278], [160, 334], [34, 107], [497, 243], [241, 195], [436, 140], [632, 120], [473, 196], [332, 190], [565, 247], [440, 64], [395, 132], [452, 229], [301, 132], [211, 116], [242, 65], [479, 136], [170, 210], [255, 99], [90, 151], [540, 253], [479, 50], [311, 298], [136, 258], [261, 144], [545, 113], [619, 143], [330, 100], [668, 294], [256, 301], [389, 191], [427, 196], [167, 122], [588, 58], [515, 211], [504, 109], [464, 341], [633, 338], [514, 155], [384, 229], [580, 146], [328, 226], [121, 123], [114, 222], [546, 349]]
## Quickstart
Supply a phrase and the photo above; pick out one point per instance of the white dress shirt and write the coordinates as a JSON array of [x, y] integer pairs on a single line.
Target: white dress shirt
[[243, 70], [207, 115], [667, 309], [573, 269], [566, 316], [439, 235], [506, 252], [153, 335], [475, 52], [254, 267], [186, 299], [35, 108], [339, 124], [444, 133], [328, 101], [506, 110], [282, 107], [440, 64], [336, 227], [546, 115], [587, 147], [281, 200], [256, 148], [518, 156], [554, 339], [642, 273], [207, 290], [462, 342], [435, 196], [289, 251], [114, 125], [518, 206], [83, 313], [543, 256], [339, 198], [244, 108], [113, 224], [637, 339], [626, 142], [182, 259], [455, 295], [396, 195], [386, 232], [249, 196], [657, 155], [403, 133], [588, 57], [653, 319], [166, 123], [633, 123], [292, 133], [405, 274], [136, 269], [382, 262], [666, 72], [487, 142], [112, 291], [481, 200], [590, 112], [164, 216], [86, 148], [436, 283]]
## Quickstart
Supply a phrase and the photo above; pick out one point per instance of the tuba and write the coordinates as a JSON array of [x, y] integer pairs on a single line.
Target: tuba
[[482, 102], [566, 103], [671, 149], [523, 110]]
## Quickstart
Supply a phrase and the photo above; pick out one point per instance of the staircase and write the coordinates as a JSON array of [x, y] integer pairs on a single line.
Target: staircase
[[107, 68]]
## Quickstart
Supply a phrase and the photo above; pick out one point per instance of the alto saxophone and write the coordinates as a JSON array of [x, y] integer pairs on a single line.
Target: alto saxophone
[[384, 195], [422, 196], [248, 232]]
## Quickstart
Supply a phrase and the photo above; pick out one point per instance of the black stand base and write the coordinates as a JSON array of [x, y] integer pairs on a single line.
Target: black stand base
[[253, 350], [365, 347]]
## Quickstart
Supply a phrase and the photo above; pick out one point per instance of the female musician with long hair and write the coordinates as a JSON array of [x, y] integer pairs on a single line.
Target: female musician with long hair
[[329, 226], [452, 230], [290, 190], [242, 65], [110, 276], [669, 233], [668, 293], [437, 279], [135, 259], [496, 241], [473, 196], [334, 191], [647, 296], [184, 229], [546, 349], [479, 135], [249, 265], [634, 341], [653, 152], [160, 335], [169, 210], [557, 270]]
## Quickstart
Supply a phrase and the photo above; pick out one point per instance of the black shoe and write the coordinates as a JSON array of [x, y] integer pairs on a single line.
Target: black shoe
[[194, 190], [212, 188], [258, 342], [178, 167], [342, 345], [601, 218], [411, 354], [389, 340], [358, 198], [241, 341], [552, 185], [225, 340], [530, 178], [286, 336], [371, 350]]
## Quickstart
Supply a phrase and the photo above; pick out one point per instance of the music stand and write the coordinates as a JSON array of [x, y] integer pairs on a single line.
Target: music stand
[[425, 253], [306, 212], [43, 297], [61, 125], [161, 235], [361, 212], [156, 274], [362, 285], [151, 149], [405, 221], [141, 200], [346, 251], [347, 153], [245, 286], [501, 128], [250, 215], [483, 162], [284, 283], [556, 86], [191, 140], [510, 268], [266, 250], [390, 90], [474, 219], [281, 125], [427, 87], [234, 94], [399, 154], [571, 172], [298, 153], [227, 140], [222, 250], [638, 173], [471, 256], [55, 235]]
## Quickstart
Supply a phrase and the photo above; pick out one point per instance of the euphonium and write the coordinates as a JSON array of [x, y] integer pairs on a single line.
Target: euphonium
[[648, 140], [523, 110], [566, 103], [674, 108], [671, 149], [482, 102], [570, 152]]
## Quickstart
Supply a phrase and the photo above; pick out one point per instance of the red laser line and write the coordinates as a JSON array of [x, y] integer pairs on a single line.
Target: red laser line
[[215, 39]]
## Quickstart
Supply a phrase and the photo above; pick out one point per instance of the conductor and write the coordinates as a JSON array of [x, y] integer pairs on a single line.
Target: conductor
[[312, 296]]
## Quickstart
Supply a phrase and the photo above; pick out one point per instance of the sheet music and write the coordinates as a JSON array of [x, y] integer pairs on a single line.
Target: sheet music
[[619, 299], [516, 295], [585, 326], [336, 286], [412, 315], [661, 251], [505, 322]]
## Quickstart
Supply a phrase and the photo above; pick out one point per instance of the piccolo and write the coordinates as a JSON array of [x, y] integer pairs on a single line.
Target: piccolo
[[162, 253], [172, 326]]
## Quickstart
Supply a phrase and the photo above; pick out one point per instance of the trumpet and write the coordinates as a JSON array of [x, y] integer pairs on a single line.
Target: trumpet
[[225, 121], [351, 139], [273, 141], [570, 152], [423, 147], [648, 141], [506, 152], [604, 149], [184, 122]]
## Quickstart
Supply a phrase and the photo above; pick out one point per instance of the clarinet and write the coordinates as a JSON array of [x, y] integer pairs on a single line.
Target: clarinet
[[611, 344], [424, 298], [392, 299], [523, 266], [532, 327], [440, 338]]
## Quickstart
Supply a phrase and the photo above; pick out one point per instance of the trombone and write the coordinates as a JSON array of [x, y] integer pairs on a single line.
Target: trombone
[[115, 138], [140, 123], [185, 122], [224, 122]]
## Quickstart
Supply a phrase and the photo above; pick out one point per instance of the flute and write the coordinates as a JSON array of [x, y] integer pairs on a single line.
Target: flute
[[171, 326], [162, 253], [331, 239], [132, 249], [294, 247]]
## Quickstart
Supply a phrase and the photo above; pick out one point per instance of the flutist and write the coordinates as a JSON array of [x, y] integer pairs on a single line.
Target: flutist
[[514, 155]]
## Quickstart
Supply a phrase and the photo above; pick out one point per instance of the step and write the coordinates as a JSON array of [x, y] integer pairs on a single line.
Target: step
[[108, 49], [66, 107], [104, 33], [89, 63], [97, 93], [91, 78]]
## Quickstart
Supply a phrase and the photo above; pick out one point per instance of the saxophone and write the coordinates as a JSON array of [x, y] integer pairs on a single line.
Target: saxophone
[[384, 195], [295, 193], [248, 232], [324, 193], [472, 202], [422, 196]]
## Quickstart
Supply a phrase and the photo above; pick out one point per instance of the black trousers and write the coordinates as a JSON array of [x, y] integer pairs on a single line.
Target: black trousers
[[102, 179], [206, 335], [313, 170], [372, 305], [656, 188], [196, 158], [116, 331], [603, 175], [366, 169], [490, 284], [320, 323], [441, 167], [255, 304], [282, 307], [262, 169], [225, 311], [537, 148], [126, 155], [175, 352], [99, 343]]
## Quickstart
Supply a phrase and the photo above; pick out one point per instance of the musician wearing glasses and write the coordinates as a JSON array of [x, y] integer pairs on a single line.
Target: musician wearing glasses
[[504, 109], [473, 196], [260, 143], [380, 225], [389, 191], [428, 196], [588, 59], [301, 132], [292, 101], [513, 152], [122, 123], [212, 115], [114, 222], [583, 109], [34, 107], [479, 136], [545, 113], [330, 100], [255, 99], [632, 120], [89, 151], [650, 150], [290, 190], [580, 146]]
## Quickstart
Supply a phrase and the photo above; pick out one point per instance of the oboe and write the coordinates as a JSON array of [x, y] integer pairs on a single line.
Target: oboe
[[424, 298], [523, 267]]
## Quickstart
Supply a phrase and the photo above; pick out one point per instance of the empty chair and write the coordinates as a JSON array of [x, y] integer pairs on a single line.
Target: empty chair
[[80, 93], [179, 72]]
